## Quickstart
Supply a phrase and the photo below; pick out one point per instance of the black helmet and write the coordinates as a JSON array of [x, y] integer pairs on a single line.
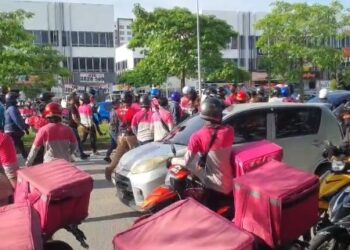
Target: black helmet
[[163, 101], [46, 97], [85, 98], [92, 91], [211, 91], [145, 102], [211, 110], [126, 97], [11, 98]]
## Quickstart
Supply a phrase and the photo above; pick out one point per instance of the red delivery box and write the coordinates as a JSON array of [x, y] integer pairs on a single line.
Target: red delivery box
[[269, 202], [185, 224], [20, 228], [58, 190], [251, 156]]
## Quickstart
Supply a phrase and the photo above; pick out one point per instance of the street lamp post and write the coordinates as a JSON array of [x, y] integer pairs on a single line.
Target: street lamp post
[[198, 52]]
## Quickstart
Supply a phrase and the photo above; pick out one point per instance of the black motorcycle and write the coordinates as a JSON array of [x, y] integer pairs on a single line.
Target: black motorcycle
[[337, 235]]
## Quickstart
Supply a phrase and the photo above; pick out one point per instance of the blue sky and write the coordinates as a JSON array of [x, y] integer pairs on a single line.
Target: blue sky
[[123, 8]]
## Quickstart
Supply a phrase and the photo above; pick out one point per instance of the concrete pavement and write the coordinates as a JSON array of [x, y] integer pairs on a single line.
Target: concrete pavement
[[107, 216]]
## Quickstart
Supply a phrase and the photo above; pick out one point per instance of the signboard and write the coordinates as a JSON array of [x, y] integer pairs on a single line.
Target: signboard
[[346, 52], [92, 77]]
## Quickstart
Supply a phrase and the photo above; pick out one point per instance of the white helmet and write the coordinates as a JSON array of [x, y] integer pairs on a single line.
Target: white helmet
[[323, 93], [186, 90]]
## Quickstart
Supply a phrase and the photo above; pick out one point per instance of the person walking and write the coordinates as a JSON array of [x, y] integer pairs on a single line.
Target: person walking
[[113, 130], [174, 107], [15, 126], [58, 139], [126, 138]]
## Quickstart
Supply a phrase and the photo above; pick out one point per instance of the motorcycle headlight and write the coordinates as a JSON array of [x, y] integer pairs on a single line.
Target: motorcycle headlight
[[337, 165], [149, 165]]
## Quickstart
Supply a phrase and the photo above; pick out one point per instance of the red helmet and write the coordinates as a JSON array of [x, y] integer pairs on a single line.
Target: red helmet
[[53, 109], [242, 97]]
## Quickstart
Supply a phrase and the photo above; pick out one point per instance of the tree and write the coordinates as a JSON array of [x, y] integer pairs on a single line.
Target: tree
[[21, 57], [299, 34], [229, 72], [170, 41]]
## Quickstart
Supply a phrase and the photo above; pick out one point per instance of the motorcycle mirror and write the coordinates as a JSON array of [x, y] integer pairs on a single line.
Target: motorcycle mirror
[[173, 149]]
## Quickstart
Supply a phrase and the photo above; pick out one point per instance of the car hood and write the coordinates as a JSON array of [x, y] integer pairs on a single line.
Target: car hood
[[146, 152]]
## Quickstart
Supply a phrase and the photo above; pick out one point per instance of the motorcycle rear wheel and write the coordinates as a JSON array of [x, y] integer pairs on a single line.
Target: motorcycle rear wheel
[[328, 241]]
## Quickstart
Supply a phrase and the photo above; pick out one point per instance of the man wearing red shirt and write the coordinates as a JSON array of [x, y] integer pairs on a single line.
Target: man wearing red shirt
[[126, 138]]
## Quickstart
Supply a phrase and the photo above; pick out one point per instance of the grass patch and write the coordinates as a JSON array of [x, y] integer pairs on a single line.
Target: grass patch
[[102, 141]]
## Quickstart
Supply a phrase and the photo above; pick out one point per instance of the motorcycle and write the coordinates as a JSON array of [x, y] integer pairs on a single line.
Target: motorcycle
[[336, 236], [333, 182], [180, 184]]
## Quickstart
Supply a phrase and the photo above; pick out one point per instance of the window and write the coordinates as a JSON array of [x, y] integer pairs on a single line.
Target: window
[[251, 42], [103, 64], [74, 38], [65, 38], [37, 36], [75, 64], [54, 37], [297, 122], [89, 64], [242, 62], [111, 64], [121, 32], [82, 39], [44, 37], [88, 38], [128, 27], [234, 44], [95, 39], [129, 33], [249, 126], [110, 40], [242, 42], [82, 64], [121, 26], [103, 42], [97, 66], [121, 38]]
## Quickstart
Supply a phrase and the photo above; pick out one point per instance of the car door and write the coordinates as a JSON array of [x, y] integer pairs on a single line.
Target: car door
[[296, 130], [250, 126]]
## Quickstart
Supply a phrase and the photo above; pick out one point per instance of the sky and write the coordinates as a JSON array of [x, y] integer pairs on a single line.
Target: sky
[[123, 8]]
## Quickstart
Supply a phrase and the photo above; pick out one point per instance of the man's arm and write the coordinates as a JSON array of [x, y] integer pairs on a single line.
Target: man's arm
[[37, 144], [17, 119], [9, 160]]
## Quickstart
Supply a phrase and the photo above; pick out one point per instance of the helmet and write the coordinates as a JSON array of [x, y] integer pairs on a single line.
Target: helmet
[[186, 90], [92, 91], [175, 96], [145, 102], [221, 91], [163, 102], [11, 98], [323, 93], [85, 98], [242, 97], [210, 91], [285, 91], [155, 92], [276, 92], [53, 109], [211, 110], [46, 97], [260, 90], [126, 97]]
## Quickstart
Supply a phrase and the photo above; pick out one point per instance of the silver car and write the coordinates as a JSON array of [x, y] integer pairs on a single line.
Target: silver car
[[298, 128]]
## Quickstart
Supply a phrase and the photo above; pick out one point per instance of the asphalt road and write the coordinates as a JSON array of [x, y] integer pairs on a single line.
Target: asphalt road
[[107, 216]]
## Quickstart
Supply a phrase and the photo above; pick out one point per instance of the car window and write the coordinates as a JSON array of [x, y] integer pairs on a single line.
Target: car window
[[181, 133], [249, 126], [297, 121]]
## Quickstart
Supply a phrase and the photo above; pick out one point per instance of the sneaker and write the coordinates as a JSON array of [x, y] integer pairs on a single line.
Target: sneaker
[[108, 174], [96, 153], [107, 159], [84, 156]]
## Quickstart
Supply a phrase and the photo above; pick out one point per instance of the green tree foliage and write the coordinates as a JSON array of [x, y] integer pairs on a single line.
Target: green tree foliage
[[21, 57], [170, 39], [229, 72], [297, 34]]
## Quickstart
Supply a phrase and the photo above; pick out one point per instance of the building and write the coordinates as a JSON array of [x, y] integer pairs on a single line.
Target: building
[[87, 45], [241, 49], [123, 33]]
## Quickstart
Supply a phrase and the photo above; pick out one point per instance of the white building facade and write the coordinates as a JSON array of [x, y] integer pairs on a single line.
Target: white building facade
[[123, 32], [82, 33]]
